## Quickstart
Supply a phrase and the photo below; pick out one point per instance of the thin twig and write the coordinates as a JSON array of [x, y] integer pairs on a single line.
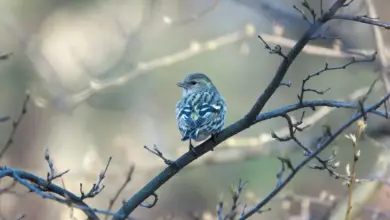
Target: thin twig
[[193, 17], [51, 174], [351, 171], [362, 19], [273, 50], [23, 176], [236, 193], [123, 186], [15, 125], [96, 187], [327, 68], [380, 47], [302, 164], [159, 154]]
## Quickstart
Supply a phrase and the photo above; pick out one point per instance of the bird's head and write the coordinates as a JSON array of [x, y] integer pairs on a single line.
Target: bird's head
[[195, 82]]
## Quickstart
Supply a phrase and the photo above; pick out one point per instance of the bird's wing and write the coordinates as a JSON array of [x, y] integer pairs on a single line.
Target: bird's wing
[[185, 121], [198, 112], [186, 117], [209, 112]]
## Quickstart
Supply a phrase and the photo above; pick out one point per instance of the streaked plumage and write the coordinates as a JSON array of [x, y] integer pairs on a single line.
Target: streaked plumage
[[201, 111]]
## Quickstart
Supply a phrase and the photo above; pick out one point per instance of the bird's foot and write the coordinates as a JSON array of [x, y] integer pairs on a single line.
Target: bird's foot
[[213, 139], [192, 149], [172, 163]]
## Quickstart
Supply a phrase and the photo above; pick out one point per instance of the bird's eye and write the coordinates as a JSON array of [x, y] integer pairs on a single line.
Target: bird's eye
[[192, 82]]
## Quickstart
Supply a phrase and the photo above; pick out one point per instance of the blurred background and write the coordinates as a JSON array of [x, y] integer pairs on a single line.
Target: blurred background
[[102, 77]]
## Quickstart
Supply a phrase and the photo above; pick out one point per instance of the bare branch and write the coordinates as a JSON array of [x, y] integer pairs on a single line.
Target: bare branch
[[274, 84], [193, 17], [46, 190], [51, 175], [304, 17], [327, 68], [236, 192], [203, 148], [123, 186], [285, 162], [352, 173], [306, 5], [328, 164], [273, 50], [96, 187], [287, 84], [380, 47], [362, 19], [15, 125], [159, 154], [235, 128], [319, 149]]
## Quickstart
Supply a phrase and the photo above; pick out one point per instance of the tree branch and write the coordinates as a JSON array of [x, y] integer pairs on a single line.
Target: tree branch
[[362, 19], [15, 125], [319, 149], [233, 129], [19, 175]]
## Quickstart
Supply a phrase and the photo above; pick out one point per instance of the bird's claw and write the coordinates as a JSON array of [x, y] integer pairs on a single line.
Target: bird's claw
[[213, 139], [170, 163], [192, 149]]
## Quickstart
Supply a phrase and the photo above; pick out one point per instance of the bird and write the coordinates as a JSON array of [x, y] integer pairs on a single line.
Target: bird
[[201, 111]]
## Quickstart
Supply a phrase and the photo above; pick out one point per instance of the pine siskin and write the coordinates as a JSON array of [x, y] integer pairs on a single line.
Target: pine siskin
[[201, 111]]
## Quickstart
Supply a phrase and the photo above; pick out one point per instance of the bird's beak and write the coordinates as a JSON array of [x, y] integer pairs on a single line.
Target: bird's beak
[[180, 84]]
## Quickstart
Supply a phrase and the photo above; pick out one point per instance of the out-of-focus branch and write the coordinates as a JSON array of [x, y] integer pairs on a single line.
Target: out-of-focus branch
[[233, 212], [123, 186], [364, 193], [197, 48], [363, 19], [351, 171], [144, 67], [380, 46], [15, 125], [325, 201], [193, 17]]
